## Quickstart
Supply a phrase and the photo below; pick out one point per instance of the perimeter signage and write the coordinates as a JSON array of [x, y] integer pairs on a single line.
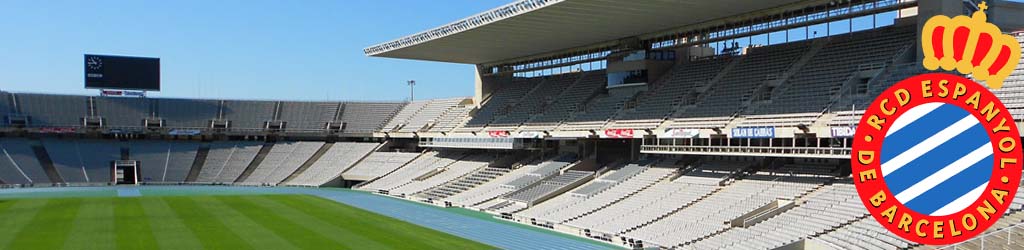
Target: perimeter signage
[[936, 157], [753, 132]]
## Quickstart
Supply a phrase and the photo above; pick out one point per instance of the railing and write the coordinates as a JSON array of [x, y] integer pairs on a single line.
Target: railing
[[993, 240], [811, 152]]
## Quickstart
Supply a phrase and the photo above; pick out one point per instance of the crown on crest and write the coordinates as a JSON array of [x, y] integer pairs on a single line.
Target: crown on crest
[[971, 45]]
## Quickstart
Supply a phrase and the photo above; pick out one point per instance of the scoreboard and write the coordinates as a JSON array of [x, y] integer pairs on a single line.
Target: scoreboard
[[122, 72]]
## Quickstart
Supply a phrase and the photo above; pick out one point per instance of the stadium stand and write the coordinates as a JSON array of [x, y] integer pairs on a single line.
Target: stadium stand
[[866, 233], [377, 164], [601, 109], [161, 161], [282, 160], [403, 115], [844, 57], [489, 190], [429, 114], [188, 113], [595, 195], [53, 110], [572, 99], [6, 107], [658, 200], [537, 99], [83, 161], [248, 114], [708, 215], [542, 171], [227, 160], [367, 117], [123, 112], [550, 186], [18, 164], [827, 208], [416, 116], [759, 66], [499, 102], [675, 202], [308, 116], [429, 162], [463, 184], [463, 167], [680, 86], [452, 118], [332, 163]]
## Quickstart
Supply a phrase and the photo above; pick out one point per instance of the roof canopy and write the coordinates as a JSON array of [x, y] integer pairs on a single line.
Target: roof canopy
[[531, 27]]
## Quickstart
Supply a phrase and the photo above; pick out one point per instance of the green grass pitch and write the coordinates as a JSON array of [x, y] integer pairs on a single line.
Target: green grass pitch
[[209, 222]]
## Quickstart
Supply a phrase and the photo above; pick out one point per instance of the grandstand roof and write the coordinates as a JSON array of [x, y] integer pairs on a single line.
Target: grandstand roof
[[531, 27]]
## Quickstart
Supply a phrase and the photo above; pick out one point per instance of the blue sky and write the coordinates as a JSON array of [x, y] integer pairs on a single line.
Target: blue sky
[[293, 50]]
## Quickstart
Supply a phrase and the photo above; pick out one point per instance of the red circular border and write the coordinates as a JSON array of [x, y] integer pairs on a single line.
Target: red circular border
[[869, 188]]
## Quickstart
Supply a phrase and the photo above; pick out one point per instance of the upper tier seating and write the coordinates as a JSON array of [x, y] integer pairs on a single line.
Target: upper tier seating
[[760, 65], [18, 163], [6, 107], [812, 87], [83, 161], [248, 114], [541, 96], [338, 158], [599, 111], [308, 116], [403, 115], [163, 161], [187, 113], [451, 119], [861, 99], [123, 112], [367, 117], [500, 100], [53, 110], [282, 160], [226, 161], [573, 98], [679, 86], [429, 114], [44, 110]]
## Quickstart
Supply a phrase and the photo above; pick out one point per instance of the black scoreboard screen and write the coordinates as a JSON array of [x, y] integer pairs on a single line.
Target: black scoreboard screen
[[122, 72]]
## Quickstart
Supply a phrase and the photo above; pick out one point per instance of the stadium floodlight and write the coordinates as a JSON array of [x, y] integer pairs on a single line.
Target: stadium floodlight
[[412, 84]]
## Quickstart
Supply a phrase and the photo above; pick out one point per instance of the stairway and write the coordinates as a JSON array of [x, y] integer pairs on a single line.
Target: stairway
[[197, 165]]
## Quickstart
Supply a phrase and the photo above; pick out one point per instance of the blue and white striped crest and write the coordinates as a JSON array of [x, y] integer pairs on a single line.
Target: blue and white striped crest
[[937, 159]]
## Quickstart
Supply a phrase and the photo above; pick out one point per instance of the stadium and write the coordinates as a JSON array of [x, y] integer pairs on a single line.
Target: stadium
[[594, 124]]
